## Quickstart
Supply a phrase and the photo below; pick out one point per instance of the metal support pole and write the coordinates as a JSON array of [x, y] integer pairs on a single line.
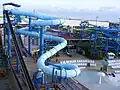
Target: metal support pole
[[29, 38], [90, 37], [96, 20], [53, 75], [9, 42], [55, 79], [107, 45], [43, 78], [95, 37], [60, 74], [41, 40]]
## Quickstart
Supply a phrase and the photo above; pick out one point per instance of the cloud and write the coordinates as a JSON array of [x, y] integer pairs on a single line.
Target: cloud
[[105, 9]]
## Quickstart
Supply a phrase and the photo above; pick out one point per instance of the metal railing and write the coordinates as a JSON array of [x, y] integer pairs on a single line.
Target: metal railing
[[19, 54]]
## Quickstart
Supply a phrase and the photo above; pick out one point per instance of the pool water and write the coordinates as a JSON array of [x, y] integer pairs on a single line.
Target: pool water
[[87, 76], [90, 79]]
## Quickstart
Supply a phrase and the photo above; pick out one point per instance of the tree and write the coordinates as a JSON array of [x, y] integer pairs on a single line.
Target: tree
[[69, 28]]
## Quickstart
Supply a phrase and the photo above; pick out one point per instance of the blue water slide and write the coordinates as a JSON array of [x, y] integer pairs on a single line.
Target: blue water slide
[[47, 22], [32, 14], [66, 70]]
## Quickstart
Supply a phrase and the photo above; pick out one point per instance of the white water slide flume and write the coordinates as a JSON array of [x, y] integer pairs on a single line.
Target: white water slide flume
[[68, 70]]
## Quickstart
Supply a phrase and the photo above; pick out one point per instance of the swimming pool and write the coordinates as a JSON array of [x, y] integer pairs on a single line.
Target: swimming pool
[[90, 79]]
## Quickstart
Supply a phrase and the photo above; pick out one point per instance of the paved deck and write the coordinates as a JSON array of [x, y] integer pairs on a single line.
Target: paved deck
[[75, 56], [31, 65], [91, 80], [8, 82]]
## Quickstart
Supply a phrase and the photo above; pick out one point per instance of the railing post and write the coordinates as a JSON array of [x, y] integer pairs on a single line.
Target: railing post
[[29, 38], [60, 74]]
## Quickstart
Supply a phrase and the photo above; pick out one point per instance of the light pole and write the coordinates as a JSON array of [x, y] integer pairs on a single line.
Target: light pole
[[96, 20]]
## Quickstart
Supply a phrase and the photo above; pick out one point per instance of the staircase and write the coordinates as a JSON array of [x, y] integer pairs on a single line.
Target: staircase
[[71, 84], [66, 85], [61, 87]]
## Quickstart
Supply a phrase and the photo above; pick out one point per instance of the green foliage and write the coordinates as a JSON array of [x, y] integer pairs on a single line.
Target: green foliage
[[18, 26], [1, 16], [89, 52], [99, 57], [76, 35]]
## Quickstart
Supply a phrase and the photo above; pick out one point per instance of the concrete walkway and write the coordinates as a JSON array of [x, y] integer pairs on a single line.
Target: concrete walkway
[[76, 56], [8, 82]]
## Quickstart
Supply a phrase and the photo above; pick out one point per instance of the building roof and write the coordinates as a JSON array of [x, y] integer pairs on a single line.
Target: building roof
[[72, 22], [76, 22], [59, 33], [66, 36]]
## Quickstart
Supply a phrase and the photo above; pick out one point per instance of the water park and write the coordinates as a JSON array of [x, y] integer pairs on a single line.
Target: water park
[[46, 53]]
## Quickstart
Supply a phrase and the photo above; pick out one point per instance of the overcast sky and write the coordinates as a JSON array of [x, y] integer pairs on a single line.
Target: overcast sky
[[82, 9]]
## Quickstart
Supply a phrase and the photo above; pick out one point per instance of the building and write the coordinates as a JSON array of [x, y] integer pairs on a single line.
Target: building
[[71, 24], [98, 23], [75, 23]]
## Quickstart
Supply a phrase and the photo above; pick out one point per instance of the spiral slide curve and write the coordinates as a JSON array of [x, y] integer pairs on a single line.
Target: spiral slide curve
[[67, 70]]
